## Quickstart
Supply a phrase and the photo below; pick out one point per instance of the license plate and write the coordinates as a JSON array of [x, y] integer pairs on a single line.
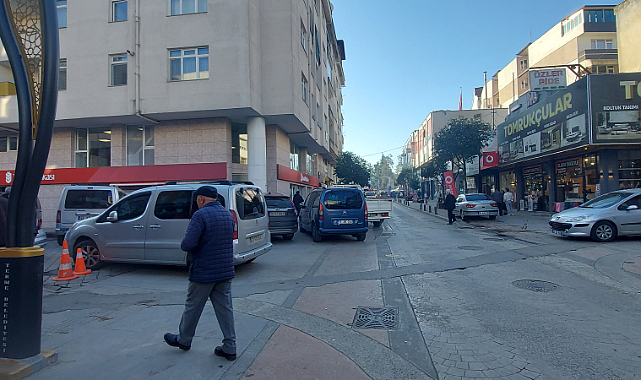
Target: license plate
[[484, 213], [557, 232], [345, 221], [254, 239], [277, 213], [84, 217]]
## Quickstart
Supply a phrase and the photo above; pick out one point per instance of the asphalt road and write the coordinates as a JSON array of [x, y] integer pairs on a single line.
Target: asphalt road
[[479, 300]]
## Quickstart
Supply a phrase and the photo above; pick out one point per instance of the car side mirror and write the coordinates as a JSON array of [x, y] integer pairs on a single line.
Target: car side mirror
[[632, 207], [112, 217]]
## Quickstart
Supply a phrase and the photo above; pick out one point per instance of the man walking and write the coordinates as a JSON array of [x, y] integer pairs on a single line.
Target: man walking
[[209, 242], [449, 205], [298, 201], [508, 198], [497, 196]]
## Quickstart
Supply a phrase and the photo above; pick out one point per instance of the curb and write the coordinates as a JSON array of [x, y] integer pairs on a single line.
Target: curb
[[14, 369]]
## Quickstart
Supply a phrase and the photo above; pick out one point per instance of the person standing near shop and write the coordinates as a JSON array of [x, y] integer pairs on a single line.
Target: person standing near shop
[[298, 201], [497, 197], [209, 242], [508, 198], [449, 205]]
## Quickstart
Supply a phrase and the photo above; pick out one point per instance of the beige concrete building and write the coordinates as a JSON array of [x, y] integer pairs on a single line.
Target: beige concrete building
[[584, 41], [255, 85], [628, 15]]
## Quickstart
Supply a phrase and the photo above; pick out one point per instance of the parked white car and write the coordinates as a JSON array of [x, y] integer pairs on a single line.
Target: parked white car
[[603, 218], [476, 204]]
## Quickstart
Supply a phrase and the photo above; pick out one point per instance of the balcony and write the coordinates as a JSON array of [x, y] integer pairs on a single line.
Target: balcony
[[599, 55]]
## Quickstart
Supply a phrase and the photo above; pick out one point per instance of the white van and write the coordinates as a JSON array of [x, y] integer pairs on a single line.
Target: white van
[[82, 202]]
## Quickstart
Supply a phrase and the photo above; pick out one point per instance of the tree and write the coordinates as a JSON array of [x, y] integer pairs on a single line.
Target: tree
[[351, 168], [408, 177], [461, 140], [383, 173]]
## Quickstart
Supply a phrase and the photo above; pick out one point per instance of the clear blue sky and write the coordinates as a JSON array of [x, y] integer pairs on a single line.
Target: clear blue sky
[[407, 58]]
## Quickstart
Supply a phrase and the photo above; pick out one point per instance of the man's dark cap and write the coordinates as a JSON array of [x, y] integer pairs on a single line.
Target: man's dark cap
[[207, 191]]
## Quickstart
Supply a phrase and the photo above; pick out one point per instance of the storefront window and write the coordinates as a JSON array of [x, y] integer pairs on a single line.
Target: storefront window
[[507, 180], [591, 171], [629, 169], [488, 184], [536, 186], [93, 148], [293, 155], [239, 143], [140, 145], [569, 177]]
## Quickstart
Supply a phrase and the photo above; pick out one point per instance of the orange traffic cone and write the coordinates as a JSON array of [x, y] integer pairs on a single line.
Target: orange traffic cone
[[65, 273], [81, 269]]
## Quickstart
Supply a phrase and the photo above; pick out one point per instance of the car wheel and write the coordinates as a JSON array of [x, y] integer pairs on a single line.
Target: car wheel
[[361, 237], [492, 217], [603, 231], [316, 235], [377, 224], [61, 239], [300, 228], [91, 254], [288, 236]]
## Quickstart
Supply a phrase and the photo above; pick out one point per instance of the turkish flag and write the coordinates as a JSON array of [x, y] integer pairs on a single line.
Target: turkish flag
[[490, 160]]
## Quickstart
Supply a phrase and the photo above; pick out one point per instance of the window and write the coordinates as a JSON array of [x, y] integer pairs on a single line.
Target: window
[[523, 63], [10, 142], [13, 142], [118, 70], [183, 7], [189, 64], [118, 10], [3, 144], [304, 87], [343, 199], [602, 69], [88, 199], [303, 36], [61, 5], [250, 203], [62, 75], [601, 44], [239, 143], [131, 207], [140, 145], [600, 15], [93, 148], [173, 205], [293, 155]]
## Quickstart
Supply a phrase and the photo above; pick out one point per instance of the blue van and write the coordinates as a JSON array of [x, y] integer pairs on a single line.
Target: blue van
[[336, 210]]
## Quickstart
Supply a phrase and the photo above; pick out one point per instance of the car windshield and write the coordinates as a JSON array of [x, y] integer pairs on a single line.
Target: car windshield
[[88, 199], [477, 197], [278, 202], [606, 200], [343, 199]]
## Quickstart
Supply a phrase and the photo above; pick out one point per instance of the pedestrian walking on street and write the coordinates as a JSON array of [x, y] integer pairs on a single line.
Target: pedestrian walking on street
[[508, 199], [298, 201], [209, 243], [497, 196], [449, 205]]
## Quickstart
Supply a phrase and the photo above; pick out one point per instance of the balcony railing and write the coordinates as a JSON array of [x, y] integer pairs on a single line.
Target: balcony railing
[[599, 54]]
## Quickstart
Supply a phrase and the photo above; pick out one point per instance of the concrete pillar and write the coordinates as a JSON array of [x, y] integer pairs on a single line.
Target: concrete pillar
[[257, 152], [302, 159]]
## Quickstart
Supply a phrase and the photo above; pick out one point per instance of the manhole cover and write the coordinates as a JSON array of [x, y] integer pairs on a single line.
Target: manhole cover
[[470, 248], [494, 239], [536, 285], [383, 318]]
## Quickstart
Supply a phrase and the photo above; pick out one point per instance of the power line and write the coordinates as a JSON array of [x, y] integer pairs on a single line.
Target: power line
[[389, 150]]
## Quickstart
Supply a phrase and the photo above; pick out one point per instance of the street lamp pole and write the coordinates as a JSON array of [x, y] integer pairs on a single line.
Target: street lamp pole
[[29, 32]]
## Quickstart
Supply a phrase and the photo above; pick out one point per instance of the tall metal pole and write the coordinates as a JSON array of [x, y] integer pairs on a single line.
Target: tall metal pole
[[29, 32]]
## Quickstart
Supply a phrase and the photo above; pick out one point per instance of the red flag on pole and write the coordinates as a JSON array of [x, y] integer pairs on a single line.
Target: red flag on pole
[[460, 101]]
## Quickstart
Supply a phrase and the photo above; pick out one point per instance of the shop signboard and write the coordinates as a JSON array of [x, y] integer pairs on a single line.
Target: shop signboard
[[490, 160], [547, 79], [556, 121], [616, 101], [472, 166], [448, 177]]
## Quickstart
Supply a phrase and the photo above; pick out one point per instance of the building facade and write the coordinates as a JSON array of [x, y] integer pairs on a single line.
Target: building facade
[[255, 86], [629, 35]]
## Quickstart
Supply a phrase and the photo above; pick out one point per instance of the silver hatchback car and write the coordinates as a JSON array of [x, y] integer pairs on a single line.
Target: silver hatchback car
[[148, 225], [603, 218]]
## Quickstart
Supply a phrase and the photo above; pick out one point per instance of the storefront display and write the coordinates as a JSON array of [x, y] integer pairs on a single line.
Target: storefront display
[[569, 178], [629, 169], [536, 179], [507, 180]]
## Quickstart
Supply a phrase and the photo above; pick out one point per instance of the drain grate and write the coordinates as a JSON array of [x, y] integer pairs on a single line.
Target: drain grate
[[470, 248], [536, 285], [382, 318]]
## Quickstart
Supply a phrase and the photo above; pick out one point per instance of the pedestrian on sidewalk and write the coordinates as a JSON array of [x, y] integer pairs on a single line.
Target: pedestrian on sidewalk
[[497, 196], [209, 243], [508, 199], [449, 205], [298, 202]]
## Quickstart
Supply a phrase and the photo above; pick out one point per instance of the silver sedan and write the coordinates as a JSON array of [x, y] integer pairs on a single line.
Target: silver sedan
[[476, 204], [603, 219]]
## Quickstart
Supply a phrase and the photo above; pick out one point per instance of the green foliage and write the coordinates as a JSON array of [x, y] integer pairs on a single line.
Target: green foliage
[[351, 168], [383, 172], [409, 177], [461, 140]]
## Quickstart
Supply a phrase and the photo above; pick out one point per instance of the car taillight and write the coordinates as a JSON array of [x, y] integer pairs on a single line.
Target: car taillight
[[386, 214], [39, 223], [470, 205], [365, 211], [58, 217], [320, 211], [233, 214], [494, 204]]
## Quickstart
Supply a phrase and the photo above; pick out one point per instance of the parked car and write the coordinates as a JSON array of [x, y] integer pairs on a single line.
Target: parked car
[[40, 235], [148, 225], [476, 204], [335, 210], [283, 220], [83, 202], [617, 213], [378, 209]]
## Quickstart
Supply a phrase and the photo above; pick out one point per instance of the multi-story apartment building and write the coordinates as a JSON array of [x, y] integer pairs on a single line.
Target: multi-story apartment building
[[191, 90], [586, 39], [629, 35]]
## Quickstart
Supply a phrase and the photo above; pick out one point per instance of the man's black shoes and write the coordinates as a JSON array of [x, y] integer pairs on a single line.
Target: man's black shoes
[[219, 352], [172, 340]]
